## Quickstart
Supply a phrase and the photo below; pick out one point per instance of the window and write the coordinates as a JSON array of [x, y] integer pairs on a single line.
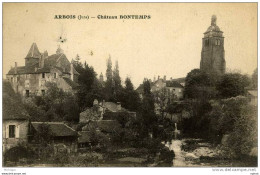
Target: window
[[11, 79], [206, 42], [27, 93], [43, 75], [55, 76], [11, 131], [43, 92], [219, 42]]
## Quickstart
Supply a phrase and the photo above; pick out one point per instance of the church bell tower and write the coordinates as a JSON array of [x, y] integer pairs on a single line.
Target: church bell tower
[[213, 53]]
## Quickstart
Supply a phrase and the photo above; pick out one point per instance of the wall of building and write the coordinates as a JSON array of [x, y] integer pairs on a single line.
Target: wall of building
[[21, 132]]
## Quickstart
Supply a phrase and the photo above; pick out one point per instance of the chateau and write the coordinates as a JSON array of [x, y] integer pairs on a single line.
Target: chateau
[[39, 69], [213, 53]]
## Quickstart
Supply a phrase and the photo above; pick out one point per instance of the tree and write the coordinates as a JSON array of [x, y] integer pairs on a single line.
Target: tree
[[116, 83], [232, 85], [109, 87], [255, 79], [129, 98], [149, 118], [199, 85]]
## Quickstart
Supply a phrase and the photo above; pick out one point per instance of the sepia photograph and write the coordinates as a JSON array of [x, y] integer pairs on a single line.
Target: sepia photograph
[[129, 85]]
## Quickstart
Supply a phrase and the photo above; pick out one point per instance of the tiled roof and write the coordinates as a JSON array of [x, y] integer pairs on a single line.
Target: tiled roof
[[70, 82], [33, 52], [173, 84], [13, 108], [56, 128]]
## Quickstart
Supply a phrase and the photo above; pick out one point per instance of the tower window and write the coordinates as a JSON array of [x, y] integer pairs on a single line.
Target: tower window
[[206, 42], [43, 75], [217, 42]]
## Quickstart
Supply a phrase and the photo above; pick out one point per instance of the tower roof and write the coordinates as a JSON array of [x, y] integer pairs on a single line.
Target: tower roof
[[33, 52], [213, 27]]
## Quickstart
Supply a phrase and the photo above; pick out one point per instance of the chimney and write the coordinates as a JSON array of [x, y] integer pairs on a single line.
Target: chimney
[[15, 68], [171, 78], [164, 78], [35, 69], [158, 77], [71, 72], [154, 79], [118, 106]]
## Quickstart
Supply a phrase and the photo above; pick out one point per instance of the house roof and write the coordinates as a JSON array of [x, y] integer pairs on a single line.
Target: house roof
[[57, 129], [33, 52], [70, 82], [173, 84], [49, 62], [13, 108], [108, 125], [111, 106], [180, 80]]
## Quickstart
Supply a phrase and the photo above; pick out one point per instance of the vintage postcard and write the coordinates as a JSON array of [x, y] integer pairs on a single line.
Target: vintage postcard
[[130, 85]]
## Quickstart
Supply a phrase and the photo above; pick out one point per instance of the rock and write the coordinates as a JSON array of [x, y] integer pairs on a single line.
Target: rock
[[191, 156]]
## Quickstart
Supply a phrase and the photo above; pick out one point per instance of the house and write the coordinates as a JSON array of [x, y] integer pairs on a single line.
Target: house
[[41, 68], [15, 130], [173, 88], [61, 135], [15, 119], [99, 109]]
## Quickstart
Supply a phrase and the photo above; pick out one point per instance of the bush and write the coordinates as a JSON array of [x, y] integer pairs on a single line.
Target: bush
[[16, 153]]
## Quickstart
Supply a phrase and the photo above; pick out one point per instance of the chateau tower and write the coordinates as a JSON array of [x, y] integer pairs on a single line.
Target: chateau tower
[[213, 53]]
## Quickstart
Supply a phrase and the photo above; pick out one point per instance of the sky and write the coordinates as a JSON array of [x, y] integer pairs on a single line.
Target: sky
[[169, 43]]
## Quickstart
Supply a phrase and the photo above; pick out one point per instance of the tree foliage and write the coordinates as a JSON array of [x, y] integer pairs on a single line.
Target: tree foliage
[[232, 85], [199, 85]]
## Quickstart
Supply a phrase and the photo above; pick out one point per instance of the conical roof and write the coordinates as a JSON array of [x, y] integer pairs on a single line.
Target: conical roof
[[33, 52]]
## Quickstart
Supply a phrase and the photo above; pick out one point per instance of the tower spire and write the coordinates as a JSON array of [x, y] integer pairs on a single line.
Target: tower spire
[[214, 20]]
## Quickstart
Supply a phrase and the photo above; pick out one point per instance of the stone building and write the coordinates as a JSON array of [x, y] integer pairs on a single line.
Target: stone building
[[172, 87], [15, 130], [41, 68], [213, 53]]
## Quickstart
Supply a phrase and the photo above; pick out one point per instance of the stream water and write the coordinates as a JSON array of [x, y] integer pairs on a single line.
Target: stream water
[[200, 149]]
